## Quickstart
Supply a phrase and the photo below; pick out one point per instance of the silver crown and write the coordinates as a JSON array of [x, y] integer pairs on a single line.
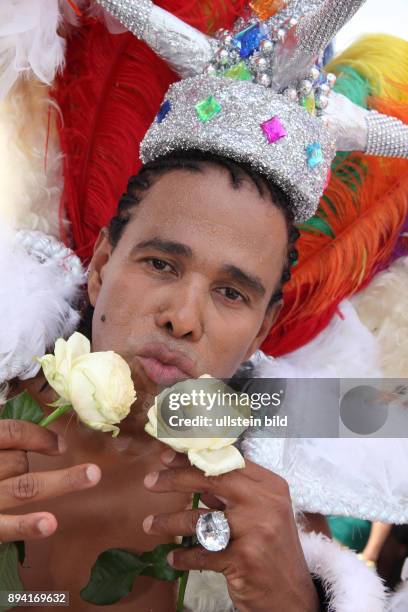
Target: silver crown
[[248, 123]]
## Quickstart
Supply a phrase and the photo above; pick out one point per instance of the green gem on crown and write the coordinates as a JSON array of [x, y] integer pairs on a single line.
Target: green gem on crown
[[208, 108], [309, 103], [240, 72]]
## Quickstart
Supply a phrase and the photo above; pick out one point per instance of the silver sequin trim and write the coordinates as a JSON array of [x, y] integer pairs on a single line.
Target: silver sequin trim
[[134, 16], [235, 133], [387, 136]]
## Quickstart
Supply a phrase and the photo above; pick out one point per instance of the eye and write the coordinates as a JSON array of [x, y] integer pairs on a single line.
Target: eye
[[232, 294], [159, 264]]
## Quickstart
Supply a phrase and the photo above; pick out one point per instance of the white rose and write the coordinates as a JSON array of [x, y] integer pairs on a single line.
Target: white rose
[[98, 385], [57, 367], [213, 456]]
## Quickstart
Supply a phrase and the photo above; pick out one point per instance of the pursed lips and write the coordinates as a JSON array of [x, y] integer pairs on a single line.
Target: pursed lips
[[165, 366]]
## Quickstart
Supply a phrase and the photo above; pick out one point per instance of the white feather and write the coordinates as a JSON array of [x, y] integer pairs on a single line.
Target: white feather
[[364, 478], [29, 41], [36, 307], [383, 308], [399, 600]]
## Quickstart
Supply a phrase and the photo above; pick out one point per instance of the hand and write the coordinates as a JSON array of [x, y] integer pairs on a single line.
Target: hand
[[18, 486], [263, 563]]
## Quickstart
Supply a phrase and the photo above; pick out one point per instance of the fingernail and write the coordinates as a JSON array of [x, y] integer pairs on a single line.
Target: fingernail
[[44, 526], [148, 522], [169, 455], [62, 445], [170, 558], [151, 479], [93, 473]]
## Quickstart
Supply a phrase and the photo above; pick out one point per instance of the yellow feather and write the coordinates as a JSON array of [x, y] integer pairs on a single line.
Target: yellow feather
[[380, 58]]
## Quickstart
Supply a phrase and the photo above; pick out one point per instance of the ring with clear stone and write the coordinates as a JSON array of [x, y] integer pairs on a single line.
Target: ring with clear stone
[[213, 531]]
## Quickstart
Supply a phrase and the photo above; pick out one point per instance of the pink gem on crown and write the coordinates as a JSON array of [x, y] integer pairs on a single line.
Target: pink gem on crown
[[273, 129]]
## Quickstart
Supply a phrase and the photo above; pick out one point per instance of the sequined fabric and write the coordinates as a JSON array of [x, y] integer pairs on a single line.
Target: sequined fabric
[[236, 132]]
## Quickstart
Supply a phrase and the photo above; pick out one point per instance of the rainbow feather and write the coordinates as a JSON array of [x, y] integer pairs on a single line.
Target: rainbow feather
[[354, 233]]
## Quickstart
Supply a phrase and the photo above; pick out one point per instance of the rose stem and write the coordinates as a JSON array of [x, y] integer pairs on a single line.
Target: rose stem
[[54, 415], [186, 543]]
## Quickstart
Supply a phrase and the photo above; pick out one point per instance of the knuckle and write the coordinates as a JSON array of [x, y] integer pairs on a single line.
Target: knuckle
[[20, 527], [26, 486], [13, 431], [282, 486], [216, 482], [199, 557], [20, 463], [194, 515], [71, 479]]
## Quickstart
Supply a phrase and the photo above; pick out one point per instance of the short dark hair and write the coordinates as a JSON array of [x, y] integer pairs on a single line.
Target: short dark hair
[[193, 160]]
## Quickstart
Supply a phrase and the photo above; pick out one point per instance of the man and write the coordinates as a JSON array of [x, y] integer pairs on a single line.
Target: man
[[179, 291]]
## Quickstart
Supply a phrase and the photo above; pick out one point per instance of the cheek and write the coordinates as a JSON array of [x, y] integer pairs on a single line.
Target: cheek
[[230, 343], [117, 311]]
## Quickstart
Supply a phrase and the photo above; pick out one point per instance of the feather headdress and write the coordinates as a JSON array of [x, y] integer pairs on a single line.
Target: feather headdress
[[364, 208]]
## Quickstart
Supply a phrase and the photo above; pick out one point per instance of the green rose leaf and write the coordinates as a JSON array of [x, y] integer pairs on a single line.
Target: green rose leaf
[[9, 576], [23, 408], [158, 566], [115, 570], [20, 550]]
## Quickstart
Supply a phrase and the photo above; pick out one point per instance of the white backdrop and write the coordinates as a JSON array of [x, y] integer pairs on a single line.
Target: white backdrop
[[384, 16]]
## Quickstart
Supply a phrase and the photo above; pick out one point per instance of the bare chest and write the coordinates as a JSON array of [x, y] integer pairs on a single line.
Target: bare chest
[[109, 515]]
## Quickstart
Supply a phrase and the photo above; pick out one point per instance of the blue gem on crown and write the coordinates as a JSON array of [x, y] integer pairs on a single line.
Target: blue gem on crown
[[248, 40], [164, 111], [314, 154]]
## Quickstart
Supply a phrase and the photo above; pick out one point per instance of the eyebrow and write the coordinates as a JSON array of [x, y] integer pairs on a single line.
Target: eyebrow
[[178, 248], [165, 246], [252, 282]]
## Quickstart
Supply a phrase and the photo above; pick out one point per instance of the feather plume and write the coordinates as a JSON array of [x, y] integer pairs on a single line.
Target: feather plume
[[109, 93], [361, 215], [29, 41], [30, 159], [382, 307], [42, 303]]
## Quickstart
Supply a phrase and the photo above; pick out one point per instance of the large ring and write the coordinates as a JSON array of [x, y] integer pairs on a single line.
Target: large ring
[[213, 531]]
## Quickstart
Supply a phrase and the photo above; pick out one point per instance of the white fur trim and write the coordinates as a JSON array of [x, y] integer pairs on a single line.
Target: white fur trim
[[344, 349], [36, 306], [364, 478], [351, 585], [399, 599]]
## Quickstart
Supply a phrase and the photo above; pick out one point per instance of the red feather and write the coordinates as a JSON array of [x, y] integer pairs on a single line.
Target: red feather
[[109, 93]]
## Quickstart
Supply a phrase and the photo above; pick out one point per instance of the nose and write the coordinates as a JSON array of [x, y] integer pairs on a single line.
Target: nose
[[182, 312]]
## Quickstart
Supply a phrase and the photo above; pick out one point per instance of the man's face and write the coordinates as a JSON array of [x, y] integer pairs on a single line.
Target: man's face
[[185, 291]]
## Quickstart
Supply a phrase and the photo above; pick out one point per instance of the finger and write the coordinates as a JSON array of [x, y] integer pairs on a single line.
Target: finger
[[15, 434], [27, 527], [184, 523], [230, 487], [44, 485], [13, 463], [211, 501], [198, 558], [251, 470], [256, 472], [173, 459]]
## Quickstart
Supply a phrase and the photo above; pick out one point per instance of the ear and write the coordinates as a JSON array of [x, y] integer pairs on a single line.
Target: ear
[[101, 255], [270, 317]]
